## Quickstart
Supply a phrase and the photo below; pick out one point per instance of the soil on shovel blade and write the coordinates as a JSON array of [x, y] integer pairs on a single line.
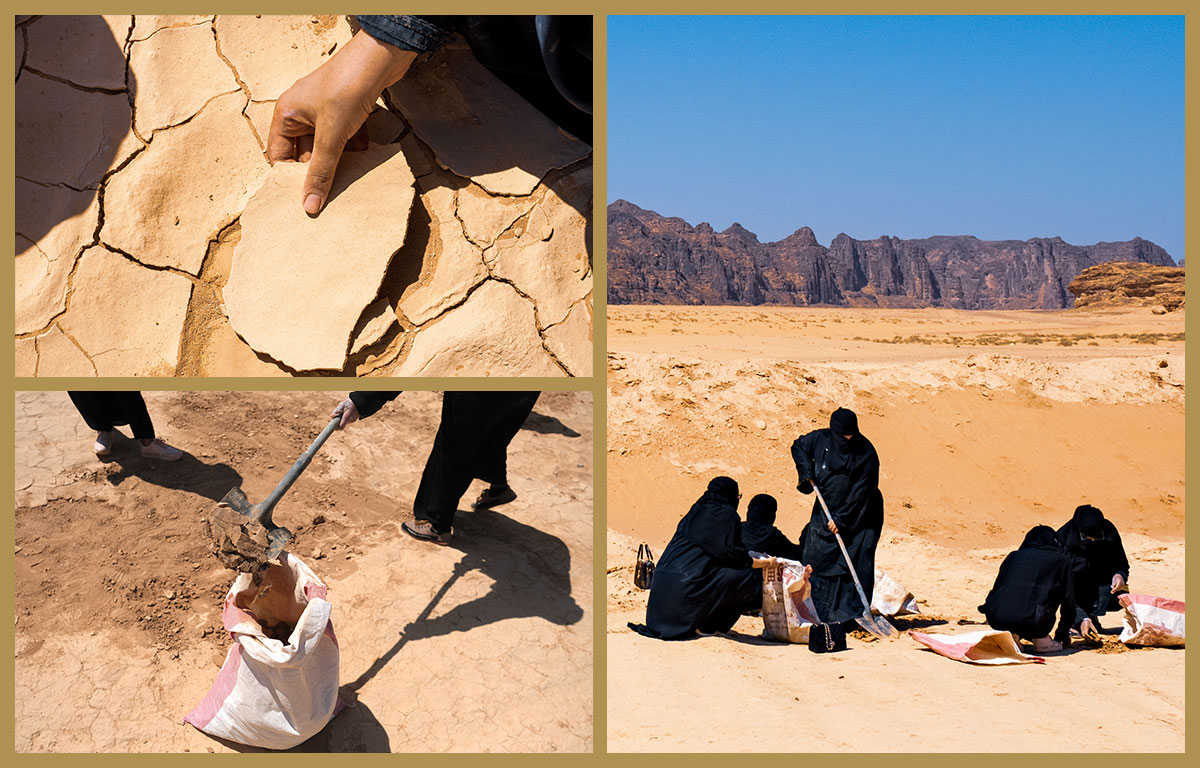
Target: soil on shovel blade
[[237, 544]]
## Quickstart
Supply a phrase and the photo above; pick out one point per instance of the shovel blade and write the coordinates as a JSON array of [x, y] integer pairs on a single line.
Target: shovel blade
[[237, 501], [277, 538], [878, 626]]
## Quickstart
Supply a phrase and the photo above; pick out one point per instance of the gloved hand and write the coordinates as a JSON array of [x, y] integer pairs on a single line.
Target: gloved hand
[[805, 486], [348, 412]]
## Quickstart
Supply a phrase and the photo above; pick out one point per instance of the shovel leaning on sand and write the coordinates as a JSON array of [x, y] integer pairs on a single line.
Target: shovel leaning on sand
[[277, 536], [876, 625]]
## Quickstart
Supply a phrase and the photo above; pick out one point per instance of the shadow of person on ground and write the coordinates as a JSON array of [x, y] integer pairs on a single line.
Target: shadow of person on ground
[[531, 574], [189, 474], [51, 113], [547, 425]]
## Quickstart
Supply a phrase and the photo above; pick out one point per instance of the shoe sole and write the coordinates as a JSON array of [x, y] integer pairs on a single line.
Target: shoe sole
[[481, 505], [432, 539]]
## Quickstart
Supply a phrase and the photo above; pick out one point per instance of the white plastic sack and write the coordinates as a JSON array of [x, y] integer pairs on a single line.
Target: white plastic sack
[[891, 599], [1152, 620], [273, 693], [984, 646], [787, 607]]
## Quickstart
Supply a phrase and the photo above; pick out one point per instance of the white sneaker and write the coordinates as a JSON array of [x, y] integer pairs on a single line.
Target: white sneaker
[[103, 445], [157, 449]]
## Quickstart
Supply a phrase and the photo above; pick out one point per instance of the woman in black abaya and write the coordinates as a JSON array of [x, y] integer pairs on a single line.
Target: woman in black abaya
[[845, 467], [704, 581]]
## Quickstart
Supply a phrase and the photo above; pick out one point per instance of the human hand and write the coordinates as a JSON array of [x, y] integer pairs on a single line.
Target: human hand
[[1088, 629], [322, 111], [1118, 583], [832, 526], [348, 412]]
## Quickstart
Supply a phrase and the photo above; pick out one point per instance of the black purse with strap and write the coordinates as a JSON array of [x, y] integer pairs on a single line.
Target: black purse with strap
[[643, 572], [826, 638]]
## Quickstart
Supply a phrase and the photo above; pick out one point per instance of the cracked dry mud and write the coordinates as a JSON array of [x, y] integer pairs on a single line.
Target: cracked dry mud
[[485, 645], [153, 237]]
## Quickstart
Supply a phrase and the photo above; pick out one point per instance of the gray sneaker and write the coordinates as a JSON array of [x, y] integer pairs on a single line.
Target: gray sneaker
[[157, 449], [423, 530]]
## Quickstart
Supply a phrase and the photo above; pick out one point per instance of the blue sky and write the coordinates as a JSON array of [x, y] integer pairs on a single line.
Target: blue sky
[[999, 127]]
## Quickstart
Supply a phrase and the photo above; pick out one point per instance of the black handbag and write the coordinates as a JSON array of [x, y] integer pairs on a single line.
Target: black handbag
[[643, 572], [826, 638]]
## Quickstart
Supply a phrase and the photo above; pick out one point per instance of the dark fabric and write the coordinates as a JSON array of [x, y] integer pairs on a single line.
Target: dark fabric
[[369, 403], [844, 421], [1034, 582], [555, 76], [104, 410], [758, 533], [1094, 563], [471, 442], [1089, 520], [703, 579], [847, 473]]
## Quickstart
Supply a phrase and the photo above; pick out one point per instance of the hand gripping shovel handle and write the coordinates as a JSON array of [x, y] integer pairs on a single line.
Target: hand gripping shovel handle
[[879, 626], [301, 464]]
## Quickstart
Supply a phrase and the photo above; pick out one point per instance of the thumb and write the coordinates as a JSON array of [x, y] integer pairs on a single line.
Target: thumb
[[327, 151]]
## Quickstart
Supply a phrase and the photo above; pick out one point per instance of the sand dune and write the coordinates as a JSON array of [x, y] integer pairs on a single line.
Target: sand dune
[[986, 423]]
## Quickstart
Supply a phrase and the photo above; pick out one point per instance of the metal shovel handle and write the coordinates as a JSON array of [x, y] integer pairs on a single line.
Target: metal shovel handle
[[297, 469], [862, 594]]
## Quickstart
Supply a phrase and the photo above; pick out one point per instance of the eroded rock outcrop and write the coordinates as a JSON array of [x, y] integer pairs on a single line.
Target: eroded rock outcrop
[[1125, 284], [659, 260]]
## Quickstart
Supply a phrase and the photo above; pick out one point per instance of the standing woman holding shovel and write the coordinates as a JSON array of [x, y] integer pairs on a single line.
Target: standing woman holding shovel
[[844, 465]]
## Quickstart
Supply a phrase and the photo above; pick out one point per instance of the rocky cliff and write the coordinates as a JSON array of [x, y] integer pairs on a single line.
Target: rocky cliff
[[654, 259], [1121, 284]]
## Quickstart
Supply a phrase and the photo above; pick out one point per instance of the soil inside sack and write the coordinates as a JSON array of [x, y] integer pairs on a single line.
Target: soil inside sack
[[279, 683]]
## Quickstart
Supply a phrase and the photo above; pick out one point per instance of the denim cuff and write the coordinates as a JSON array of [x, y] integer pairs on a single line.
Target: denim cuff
[[408, 33]]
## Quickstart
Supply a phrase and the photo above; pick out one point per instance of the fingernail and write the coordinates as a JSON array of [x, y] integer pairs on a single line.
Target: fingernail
[[312, 203]]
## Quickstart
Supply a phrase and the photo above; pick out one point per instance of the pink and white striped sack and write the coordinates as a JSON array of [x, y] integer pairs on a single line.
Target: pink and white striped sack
[[983, 646], [272, 693], [1152, 621]]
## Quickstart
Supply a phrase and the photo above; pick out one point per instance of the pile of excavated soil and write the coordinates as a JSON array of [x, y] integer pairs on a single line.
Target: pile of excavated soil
[[118, 594]]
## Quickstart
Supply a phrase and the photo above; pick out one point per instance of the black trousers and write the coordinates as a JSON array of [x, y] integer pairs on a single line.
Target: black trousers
[[104, 410], [472, 442]]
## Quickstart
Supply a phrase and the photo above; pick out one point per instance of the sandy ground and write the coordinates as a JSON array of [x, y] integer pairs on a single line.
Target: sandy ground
[[986, 423], [485, 645]]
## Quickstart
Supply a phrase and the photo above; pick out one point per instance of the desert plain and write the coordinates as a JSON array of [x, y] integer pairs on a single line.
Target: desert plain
[[485, 645], [986, 423]]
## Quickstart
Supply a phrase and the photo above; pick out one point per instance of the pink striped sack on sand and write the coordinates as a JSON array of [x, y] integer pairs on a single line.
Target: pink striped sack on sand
[[274, 693], [984, 646], [1152, 621]]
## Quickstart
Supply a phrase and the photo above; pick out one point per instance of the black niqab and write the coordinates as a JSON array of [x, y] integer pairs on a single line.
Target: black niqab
[[704, 579], [1033, 583], [760, 535]]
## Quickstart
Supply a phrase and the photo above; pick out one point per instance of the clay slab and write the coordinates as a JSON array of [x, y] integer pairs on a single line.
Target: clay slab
[[478, 127], [189, 183], [299, 284]]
